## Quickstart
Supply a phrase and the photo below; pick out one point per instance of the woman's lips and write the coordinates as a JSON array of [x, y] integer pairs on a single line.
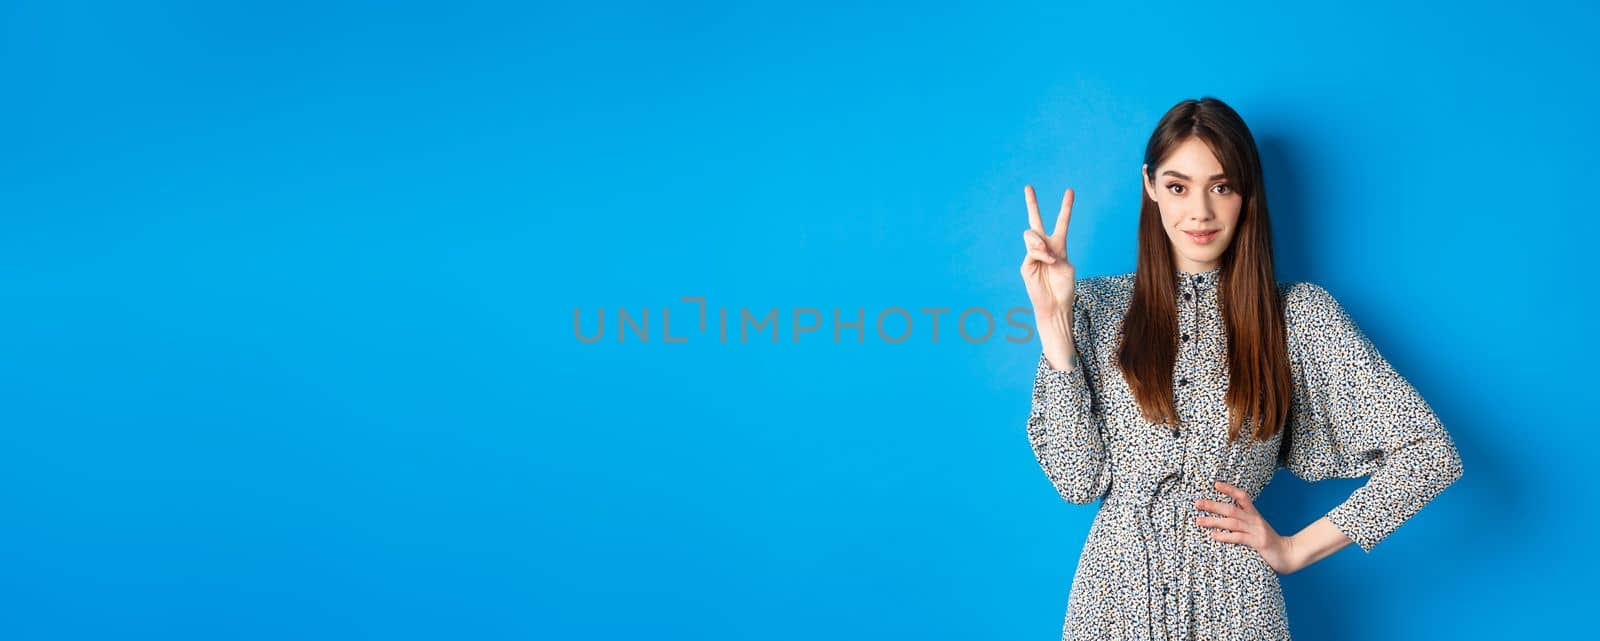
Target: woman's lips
[[1201, 238]]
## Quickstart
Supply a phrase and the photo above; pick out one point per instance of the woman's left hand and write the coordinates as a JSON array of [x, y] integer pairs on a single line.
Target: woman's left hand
[[1239, 522]]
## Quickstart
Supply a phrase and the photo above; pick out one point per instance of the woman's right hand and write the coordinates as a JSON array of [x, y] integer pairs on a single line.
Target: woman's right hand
[[1046, 272]]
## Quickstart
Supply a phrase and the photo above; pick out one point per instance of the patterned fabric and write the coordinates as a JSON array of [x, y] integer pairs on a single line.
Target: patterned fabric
[[1147, 571]]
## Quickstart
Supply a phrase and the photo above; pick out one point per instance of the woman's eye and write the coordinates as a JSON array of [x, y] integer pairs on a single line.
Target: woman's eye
[[1225, 188], [1175, 186]]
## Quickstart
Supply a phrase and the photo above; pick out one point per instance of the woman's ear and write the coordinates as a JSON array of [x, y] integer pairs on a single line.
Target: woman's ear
[[1144, 179]]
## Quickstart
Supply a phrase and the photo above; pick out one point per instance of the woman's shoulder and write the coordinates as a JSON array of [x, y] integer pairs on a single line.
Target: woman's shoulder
[[1106, 290], [1317, 324], [1103, 300], [1307, 302]]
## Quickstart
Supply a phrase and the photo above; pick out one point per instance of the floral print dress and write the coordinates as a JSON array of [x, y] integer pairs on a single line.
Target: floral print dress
[[1147, 570]]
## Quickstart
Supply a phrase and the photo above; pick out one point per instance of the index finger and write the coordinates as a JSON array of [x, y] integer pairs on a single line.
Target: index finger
[[1240, 497], [1034, 221], [1060, 232]]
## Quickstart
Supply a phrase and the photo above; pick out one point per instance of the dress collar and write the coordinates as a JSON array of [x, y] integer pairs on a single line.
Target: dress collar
[[1198, 281]]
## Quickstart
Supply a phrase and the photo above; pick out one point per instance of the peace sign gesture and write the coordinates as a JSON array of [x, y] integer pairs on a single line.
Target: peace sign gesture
[[1045, 270]]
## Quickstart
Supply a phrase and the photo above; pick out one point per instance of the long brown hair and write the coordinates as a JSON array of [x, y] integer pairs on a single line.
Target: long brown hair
[[1260, 385]]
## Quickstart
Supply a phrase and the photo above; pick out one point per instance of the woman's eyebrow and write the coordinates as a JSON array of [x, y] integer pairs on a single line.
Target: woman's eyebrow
[[1174, 173]]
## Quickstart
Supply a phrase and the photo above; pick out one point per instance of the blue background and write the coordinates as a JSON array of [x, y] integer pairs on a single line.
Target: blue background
[[290, 289]]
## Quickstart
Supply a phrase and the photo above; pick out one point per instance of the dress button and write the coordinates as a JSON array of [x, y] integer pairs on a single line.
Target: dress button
[[1186, 337], [1186, 296], [1183, 381]]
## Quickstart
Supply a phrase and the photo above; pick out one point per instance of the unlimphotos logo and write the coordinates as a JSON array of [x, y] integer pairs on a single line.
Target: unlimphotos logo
[[892, 324]]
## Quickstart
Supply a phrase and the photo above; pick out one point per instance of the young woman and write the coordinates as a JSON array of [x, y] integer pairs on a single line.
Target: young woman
[[1174, 393]]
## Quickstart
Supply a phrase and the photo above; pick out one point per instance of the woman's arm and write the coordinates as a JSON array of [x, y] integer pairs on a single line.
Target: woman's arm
[[1356, 416], [1065, 426], [1313, 544]]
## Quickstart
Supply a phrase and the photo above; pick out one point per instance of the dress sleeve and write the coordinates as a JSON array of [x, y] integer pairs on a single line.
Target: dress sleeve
[[1356, 416], [1066, 426]]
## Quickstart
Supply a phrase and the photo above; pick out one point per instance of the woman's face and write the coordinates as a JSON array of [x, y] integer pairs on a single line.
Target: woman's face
[[1194, 196]]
